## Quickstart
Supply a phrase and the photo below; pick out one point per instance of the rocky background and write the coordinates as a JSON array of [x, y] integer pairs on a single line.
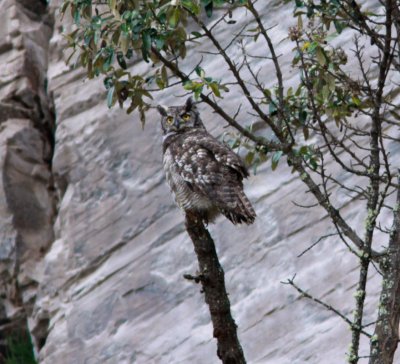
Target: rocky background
[[93, 250]]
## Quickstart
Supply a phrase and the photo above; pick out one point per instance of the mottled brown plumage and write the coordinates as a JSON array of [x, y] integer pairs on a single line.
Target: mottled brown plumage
[[203, 173]]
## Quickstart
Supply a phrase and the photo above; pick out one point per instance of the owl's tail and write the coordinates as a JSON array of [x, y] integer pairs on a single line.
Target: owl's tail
[[243, 213]]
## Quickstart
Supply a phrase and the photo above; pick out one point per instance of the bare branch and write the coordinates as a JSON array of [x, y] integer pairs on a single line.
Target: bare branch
[[315, 243], [325, 305]]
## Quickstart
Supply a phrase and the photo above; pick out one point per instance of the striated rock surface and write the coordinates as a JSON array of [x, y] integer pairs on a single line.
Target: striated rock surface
[[100, 278], [27, 208]]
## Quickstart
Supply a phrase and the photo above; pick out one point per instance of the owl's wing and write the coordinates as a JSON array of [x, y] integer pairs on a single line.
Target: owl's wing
[[203, 172], [223, 154], [210, 168]]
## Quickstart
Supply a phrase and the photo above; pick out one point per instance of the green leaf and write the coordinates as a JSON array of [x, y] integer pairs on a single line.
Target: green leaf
[[267, 93], [188, 85], [325, 93], [109, 60], [303, 150], [87, 12], [124, 42], [215, 89], [115, 36], [160, 83], [146, 93], [313, 164], [249, 158], [209, 9], [160, 42], [339, 26], [191, 6], [272, 108], [299, 22], [132, 106], [121, 60], [77, 16], [275, 159], [356, 100], [196, 34], [199, 71], [146, 44], [174, 17], [312, 47], [331, 82], [108, 82], [303, 116], [321, 56], [110, 97]]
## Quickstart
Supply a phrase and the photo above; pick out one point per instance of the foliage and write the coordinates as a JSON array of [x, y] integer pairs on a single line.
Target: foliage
[[112, 34], [109, 36]]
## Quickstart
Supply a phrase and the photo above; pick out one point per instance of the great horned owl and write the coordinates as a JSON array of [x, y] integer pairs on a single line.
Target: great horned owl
[[204, 174]]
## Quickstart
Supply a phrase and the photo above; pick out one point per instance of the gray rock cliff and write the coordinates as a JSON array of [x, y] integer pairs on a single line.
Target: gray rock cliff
[[26, 143]]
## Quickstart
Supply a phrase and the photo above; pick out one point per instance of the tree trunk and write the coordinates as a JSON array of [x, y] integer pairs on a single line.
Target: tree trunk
[[385, 339], [212, 280]]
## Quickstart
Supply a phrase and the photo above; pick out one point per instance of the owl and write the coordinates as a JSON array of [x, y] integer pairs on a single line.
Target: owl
[[204, 175]]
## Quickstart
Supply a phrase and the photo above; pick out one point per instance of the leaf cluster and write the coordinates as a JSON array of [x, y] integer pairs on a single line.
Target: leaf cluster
[[107, 37], [197, 86]]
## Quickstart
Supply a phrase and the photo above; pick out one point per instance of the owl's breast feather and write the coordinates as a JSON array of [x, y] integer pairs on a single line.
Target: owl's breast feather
[[179, 171]]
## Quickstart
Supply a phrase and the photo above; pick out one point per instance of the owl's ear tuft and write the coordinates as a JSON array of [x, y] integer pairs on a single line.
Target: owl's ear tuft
[[163, 110], [189, 104]]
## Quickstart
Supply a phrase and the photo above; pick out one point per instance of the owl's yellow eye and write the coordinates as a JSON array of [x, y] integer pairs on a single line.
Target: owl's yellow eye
[[170, 120], [186, 117]]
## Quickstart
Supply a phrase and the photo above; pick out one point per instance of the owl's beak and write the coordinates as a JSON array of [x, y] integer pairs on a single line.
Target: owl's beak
[[176, 123]]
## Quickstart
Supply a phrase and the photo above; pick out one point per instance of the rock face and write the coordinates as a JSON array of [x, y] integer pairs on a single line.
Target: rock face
[[93, 249], [26, 144]]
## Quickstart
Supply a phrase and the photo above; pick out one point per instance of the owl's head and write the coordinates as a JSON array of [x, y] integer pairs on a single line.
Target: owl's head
[[179, 119]]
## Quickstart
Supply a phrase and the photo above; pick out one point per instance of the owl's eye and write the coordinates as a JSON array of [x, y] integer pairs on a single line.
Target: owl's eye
[[186, 117], [170, 120]]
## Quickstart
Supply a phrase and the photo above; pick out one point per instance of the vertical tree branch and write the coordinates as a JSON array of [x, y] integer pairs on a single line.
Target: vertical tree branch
[[212, 280], [278, 72], [386, 336], [360, 295], [387, 299]]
